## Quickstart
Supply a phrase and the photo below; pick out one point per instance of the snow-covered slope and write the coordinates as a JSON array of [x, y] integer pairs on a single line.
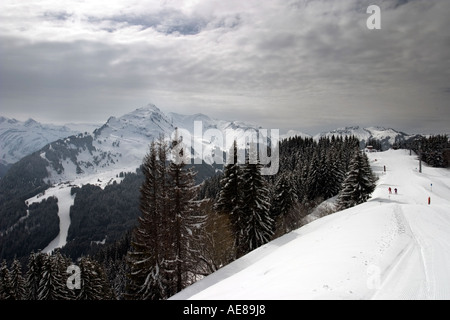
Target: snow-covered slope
[[19, 139], [386, 136], [395, 246]]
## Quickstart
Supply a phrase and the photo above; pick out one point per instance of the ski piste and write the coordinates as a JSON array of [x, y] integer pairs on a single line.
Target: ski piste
[[397, 248]]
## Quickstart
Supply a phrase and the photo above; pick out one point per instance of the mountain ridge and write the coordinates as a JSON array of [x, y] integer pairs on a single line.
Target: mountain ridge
[[18, 139], [387, 137]]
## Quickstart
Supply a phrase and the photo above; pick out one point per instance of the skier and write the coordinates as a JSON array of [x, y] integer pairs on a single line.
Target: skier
[[390, 190], [395, 190]]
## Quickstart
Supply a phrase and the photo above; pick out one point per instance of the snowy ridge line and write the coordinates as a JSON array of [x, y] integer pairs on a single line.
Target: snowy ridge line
[[246, 261]]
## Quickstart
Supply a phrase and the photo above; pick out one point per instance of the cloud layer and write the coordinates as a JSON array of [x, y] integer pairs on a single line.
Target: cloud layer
[[306, 64]]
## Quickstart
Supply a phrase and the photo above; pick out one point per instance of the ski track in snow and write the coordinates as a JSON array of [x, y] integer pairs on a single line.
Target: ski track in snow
[[66, 200], [398, 240]]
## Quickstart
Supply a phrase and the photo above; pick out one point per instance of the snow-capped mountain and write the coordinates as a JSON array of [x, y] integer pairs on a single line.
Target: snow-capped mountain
[[19, 139], [386, 136], [121, 143]]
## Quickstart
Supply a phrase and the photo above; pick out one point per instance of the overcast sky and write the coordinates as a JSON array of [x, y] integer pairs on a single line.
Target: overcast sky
[[310, 65]]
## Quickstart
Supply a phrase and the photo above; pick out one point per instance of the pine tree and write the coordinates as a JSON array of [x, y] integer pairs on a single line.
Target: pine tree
[[359, 184], [284, 203], [301, 182], [161, 260], [258, 226], [315, 180], [17, 281], [94, 284], [147, 281], [52, 285], [334, 175], [34, 274], [183, 215], [230, 199], [6, 289]]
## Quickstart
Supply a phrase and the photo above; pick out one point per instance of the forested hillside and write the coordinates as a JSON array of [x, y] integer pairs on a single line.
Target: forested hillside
[[158, 231]]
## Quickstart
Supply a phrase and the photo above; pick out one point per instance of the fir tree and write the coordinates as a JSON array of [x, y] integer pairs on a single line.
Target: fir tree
[[161, 260], [359, 184], [52, 284], [6, 290], [230, 200], [34, 274], [94, 284], [284, 204], [17, 281], [316, 179], [257, 223], [147, 281], [334, 175], [183, 215]]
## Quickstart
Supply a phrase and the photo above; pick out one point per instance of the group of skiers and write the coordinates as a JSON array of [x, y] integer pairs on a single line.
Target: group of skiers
[[390, 190]]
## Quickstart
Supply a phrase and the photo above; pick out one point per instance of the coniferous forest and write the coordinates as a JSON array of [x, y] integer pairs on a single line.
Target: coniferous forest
[[174, 232]]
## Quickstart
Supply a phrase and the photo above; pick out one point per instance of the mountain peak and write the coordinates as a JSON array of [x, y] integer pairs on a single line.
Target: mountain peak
[[347, 129], [30, 122], [145, 112], [148, 107]]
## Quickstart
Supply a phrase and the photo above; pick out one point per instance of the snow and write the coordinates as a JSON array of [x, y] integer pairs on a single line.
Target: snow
[[83, 127], [121, 143], [65, 201], [62, 191], [294, 133], [387, 136], [19, 139], [391, 247], [322, 209]]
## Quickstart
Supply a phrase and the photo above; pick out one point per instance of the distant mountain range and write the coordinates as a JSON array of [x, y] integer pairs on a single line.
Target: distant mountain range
[[387, 137], [120, 144], [73, 151], [21, 138]]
